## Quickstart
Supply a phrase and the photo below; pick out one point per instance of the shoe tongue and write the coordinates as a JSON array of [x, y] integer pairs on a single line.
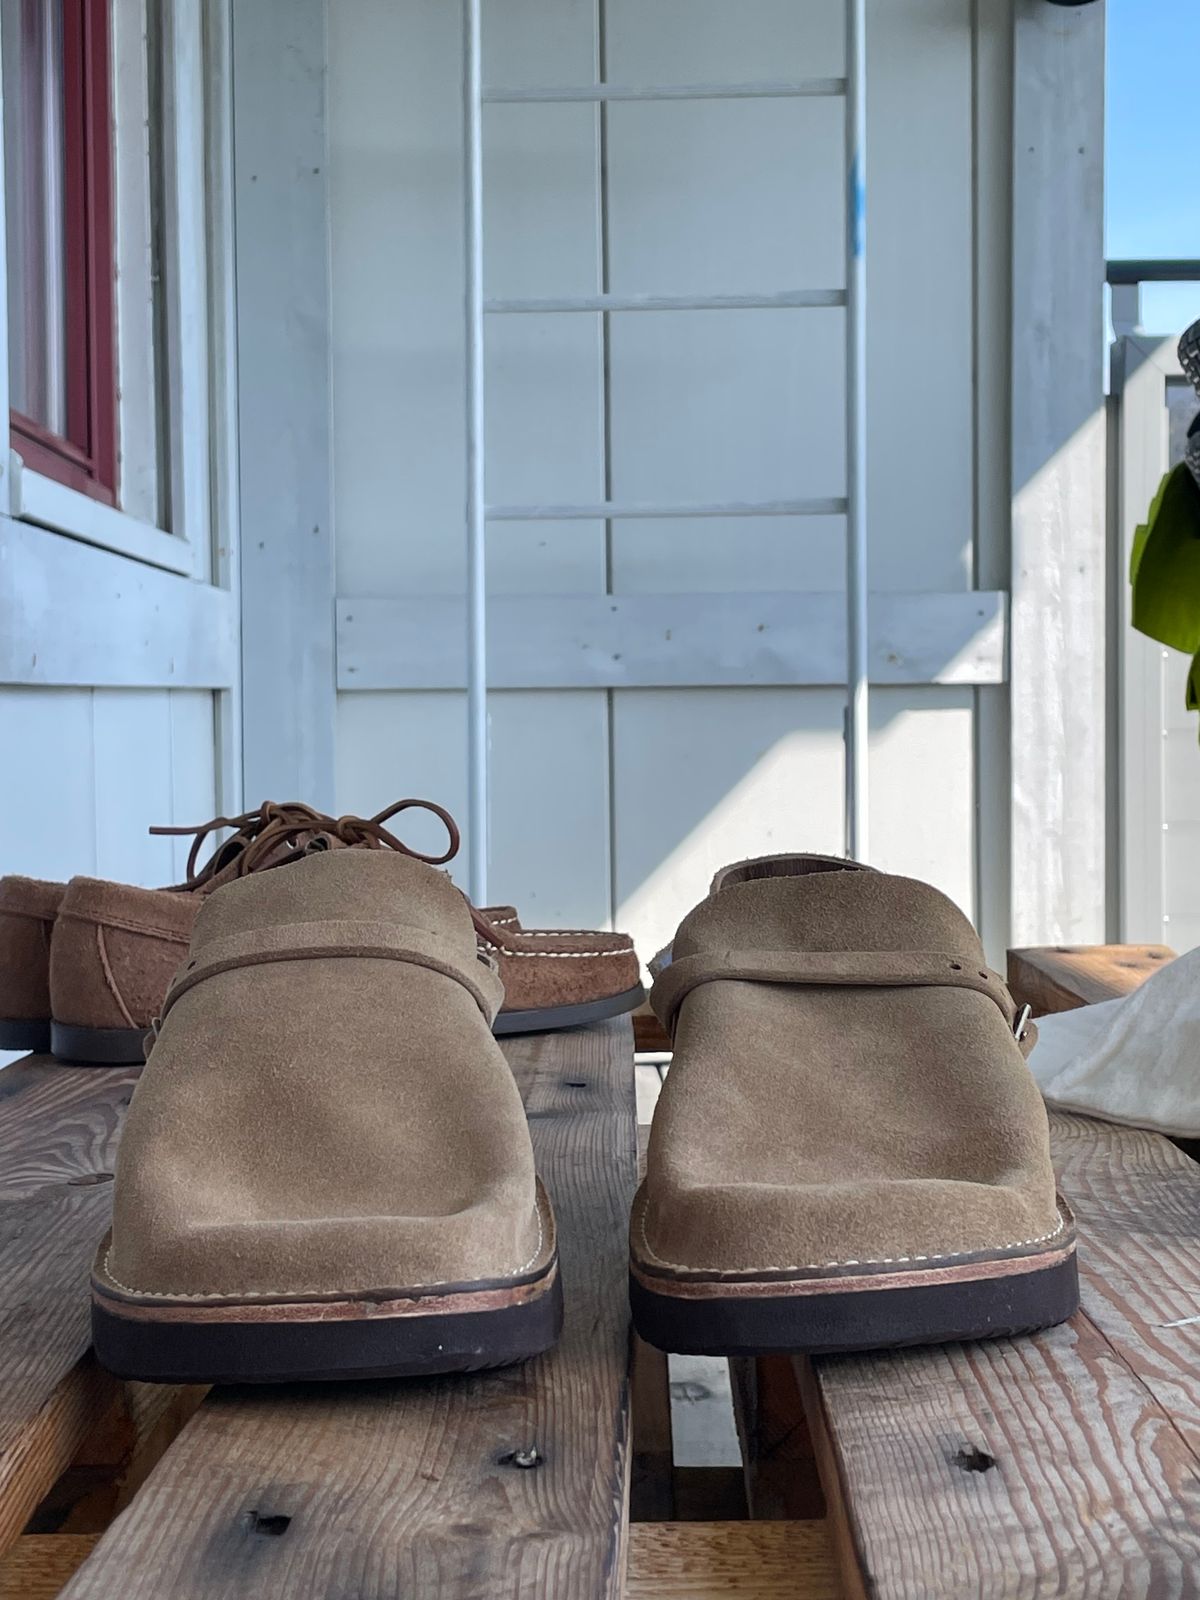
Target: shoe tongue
[[340, 886], [828, 911]]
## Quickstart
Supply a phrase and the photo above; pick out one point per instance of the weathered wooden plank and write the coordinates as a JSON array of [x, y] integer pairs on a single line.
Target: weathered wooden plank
[[651, 1483], [374, 1490], [1063, 977], [1063, 1464], [58, 1132], [639, 641], [778, 1461], [37, 1566], [712, 1560]]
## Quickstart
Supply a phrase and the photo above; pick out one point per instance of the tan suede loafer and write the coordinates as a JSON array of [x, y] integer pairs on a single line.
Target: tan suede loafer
[[849, 1150], [28, 907], [326, 1170]]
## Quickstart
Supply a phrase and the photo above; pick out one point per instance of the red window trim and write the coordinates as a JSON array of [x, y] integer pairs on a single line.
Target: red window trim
[[86, 458]]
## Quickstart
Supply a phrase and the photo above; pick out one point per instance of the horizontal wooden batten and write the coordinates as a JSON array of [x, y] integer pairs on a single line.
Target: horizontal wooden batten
[[76, 614], [661, 641], [793, 89]]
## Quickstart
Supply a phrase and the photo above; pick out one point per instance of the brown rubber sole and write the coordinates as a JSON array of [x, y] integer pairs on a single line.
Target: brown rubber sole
[[20, 1035], [579, 1016], [404, 1335], [123, 1047], [981, 1299], [98, 1047]]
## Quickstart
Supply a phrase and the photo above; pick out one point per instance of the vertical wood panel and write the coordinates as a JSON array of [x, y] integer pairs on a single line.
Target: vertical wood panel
[[132, 757], [1058, 461], [704, 777], [282, 225], [47, 798]]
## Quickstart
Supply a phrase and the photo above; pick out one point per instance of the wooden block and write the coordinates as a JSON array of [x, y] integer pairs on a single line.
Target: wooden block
[[715, 1560], [651, 1487], [374, 1490], [58, 1133], [778, 1459], [37, 1566], [1062, 977], [648, 1031], [1065, 1464]]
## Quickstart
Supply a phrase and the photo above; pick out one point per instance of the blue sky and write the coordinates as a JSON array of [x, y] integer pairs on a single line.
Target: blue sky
[[1154, 144]]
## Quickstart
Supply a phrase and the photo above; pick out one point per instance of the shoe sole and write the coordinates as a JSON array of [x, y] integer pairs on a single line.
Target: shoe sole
[[98, 1047], [124, 1047], [578, 1016], [15, 1035], [464, 1331], [753, 1317], [387, 1333]]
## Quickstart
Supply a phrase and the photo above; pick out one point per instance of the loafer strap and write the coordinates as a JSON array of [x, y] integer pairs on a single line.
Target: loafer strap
[[336, 940], [882, 969]]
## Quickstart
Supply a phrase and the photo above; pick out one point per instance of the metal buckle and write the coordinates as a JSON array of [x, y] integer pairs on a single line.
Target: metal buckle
[[1021, 1025]]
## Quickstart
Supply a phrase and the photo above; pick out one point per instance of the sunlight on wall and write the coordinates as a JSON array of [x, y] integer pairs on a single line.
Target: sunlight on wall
[[790, 798]]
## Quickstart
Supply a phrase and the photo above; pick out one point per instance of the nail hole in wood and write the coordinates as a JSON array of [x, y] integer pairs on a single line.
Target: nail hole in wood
[[86, 1179], [972, 1459], [575, 1083], [270, 1524], [526, 1457]]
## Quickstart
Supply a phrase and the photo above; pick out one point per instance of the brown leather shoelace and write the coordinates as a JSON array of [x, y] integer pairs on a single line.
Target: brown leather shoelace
[[279, 831]]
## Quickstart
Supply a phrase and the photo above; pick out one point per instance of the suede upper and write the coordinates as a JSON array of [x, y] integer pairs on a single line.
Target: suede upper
[[327, 1124], [28, 907], [815, 1126], [115, 950]]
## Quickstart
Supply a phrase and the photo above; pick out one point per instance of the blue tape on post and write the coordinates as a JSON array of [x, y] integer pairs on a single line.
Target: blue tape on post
[[858, 210]]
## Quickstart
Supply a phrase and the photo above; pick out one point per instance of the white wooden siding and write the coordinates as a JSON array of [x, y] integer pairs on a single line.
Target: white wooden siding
[[619, 803], [96, 768], [1158, 763]]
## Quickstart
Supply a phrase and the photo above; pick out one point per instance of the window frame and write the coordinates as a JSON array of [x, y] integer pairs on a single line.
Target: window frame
[[85, 458]]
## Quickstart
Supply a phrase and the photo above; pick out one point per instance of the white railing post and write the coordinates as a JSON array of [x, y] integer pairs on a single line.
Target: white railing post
[[857, 694], [476, 509]]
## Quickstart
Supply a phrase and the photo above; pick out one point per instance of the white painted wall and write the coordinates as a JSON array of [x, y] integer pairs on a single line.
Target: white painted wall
[[1156, 803], [618, 805], [94, 769]]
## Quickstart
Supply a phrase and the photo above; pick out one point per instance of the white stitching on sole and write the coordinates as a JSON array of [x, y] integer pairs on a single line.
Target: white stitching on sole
[[819, 1266], [564, 955], [281, 1294]]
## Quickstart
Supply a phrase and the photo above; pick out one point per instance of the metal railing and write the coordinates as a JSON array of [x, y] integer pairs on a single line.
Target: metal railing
[[853, 505], [1125, 279]]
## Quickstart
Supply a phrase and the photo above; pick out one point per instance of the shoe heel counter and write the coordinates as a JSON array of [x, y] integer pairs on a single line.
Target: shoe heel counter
[[24, 968]]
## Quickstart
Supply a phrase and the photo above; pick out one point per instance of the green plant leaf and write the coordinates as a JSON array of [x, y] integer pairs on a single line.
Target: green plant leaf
[[1165, 565]]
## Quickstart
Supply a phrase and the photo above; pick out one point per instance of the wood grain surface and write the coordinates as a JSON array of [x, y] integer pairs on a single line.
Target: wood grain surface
[[719, 1560], [1063, 1464], [375, 1490], [1062, 977], [37, 1566], [778, 1460], [58, 1133]]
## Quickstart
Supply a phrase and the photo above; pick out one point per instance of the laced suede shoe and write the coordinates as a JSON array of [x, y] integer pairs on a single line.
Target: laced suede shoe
[[116, 947], [28, 908]]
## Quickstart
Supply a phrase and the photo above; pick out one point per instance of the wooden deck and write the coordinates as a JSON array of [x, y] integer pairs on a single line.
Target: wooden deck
[[1066, 1464]]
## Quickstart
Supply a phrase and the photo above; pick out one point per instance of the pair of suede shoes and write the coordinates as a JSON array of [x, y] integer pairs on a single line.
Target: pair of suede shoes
[[326, 1171], [84, 966]]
